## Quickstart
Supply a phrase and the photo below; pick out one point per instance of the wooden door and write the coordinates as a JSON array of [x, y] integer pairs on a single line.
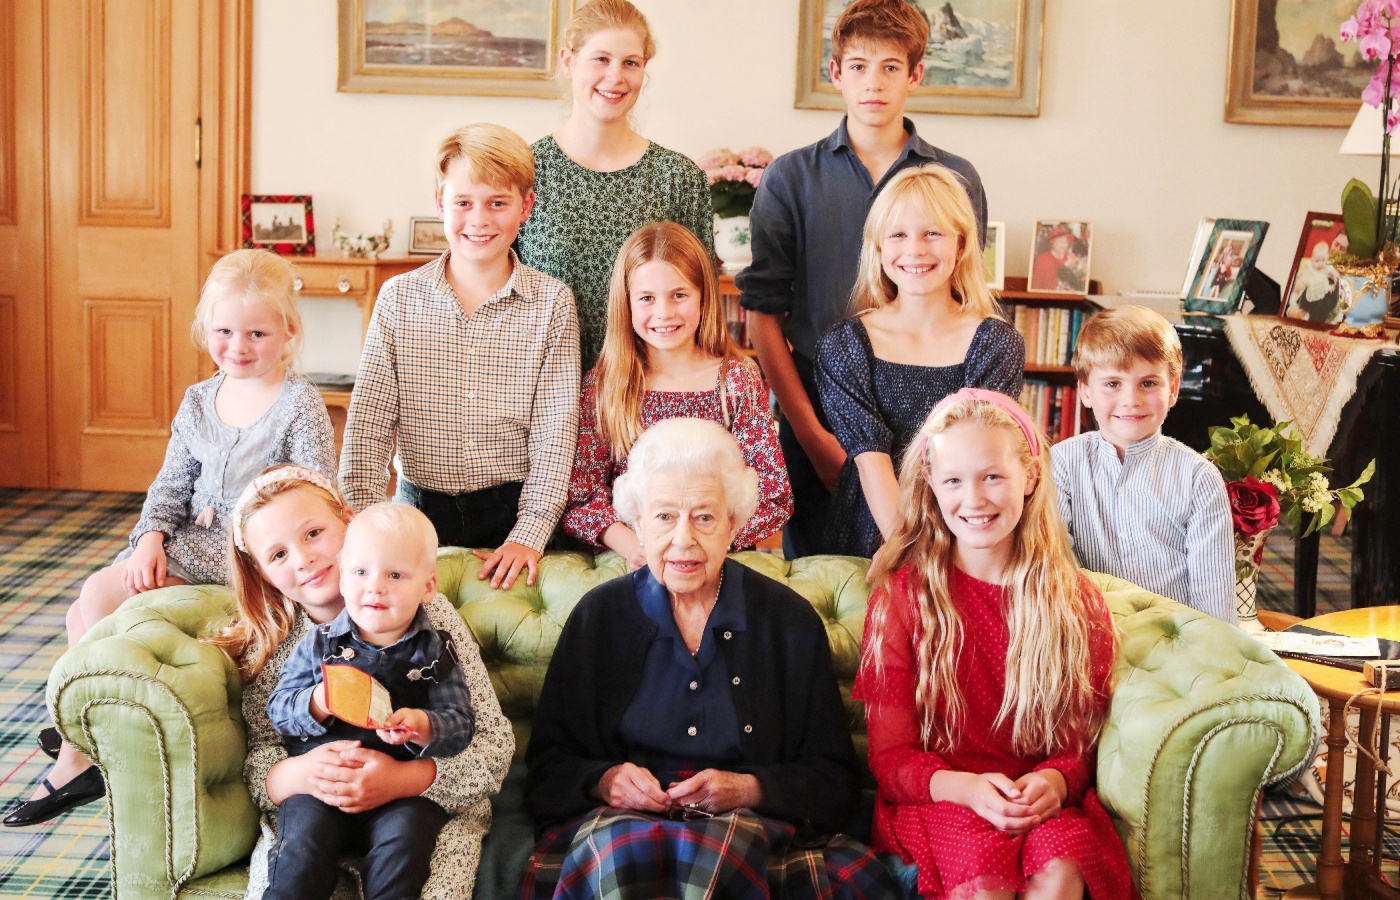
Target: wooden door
[[23, 327], [123, 86]]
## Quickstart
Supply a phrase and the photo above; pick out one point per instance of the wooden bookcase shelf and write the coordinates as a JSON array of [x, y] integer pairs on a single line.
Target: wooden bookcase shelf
[[1050, 392]]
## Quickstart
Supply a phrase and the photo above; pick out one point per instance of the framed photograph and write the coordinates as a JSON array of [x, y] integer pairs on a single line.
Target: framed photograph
[[481, 47], [1218, 288], [1198, 250], [425, 235], [1313, 295], [281, 223], [982, 59], [1060, 252], [1288, 65], [994, 255]]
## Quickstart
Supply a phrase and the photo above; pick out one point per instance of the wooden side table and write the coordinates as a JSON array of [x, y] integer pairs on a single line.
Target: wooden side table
[[1358, 877]]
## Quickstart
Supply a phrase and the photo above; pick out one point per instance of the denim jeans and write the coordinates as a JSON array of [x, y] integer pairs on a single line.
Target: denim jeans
[[396, 841], [481, 518]]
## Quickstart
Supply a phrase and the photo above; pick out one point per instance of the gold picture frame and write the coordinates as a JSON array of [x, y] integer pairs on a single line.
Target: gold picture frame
[[383, 52], [1004, 60], [1249, 96]]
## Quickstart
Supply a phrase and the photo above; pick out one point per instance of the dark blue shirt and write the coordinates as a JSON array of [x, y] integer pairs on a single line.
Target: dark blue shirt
[[682, 718], [807, 222], [445, 699]]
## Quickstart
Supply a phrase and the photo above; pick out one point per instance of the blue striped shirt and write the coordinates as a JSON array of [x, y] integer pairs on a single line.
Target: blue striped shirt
[[1159, 518]]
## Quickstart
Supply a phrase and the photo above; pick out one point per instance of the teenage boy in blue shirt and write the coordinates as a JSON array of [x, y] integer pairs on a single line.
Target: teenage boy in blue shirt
[[807, 222]]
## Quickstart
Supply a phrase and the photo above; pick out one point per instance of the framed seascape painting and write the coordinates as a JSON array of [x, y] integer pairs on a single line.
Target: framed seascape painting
[[982, 58], [1288, 65], [1218, 288], [994, 255], [1060, 254], [1314, 292], [484, 47]]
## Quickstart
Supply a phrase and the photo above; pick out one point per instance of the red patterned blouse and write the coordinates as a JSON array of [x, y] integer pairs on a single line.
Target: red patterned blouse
[[590, 510]]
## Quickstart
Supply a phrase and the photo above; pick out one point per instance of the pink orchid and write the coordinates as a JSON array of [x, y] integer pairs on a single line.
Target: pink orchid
[[1375, 45], [1350, 30]]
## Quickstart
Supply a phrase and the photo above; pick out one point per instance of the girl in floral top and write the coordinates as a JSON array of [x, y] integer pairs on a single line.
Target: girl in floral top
[[596, 178], [668, 355]]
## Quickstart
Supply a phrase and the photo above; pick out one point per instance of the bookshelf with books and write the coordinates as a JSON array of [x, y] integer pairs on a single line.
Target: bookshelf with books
[[1050, 325]]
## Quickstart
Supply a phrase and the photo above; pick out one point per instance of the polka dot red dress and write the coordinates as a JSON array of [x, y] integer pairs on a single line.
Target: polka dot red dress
[[957, 851]]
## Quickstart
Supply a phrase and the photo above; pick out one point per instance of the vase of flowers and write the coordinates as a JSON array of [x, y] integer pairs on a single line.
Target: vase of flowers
[[734, 179], [1270, 478], [1369, 264]]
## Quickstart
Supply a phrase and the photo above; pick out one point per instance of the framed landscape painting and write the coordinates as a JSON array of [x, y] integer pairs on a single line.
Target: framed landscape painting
[[982, 58], [484, 47], [1288, 65]]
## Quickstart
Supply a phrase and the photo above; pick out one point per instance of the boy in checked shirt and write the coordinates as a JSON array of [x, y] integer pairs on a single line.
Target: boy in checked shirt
[[470, 369]]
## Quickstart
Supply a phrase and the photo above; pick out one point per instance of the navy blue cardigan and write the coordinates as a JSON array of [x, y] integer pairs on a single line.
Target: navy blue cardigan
[[796, 734]]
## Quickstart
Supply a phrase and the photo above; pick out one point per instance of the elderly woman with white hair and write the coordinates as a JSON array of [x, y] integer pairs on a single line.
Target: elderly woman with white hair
[[690, 733]]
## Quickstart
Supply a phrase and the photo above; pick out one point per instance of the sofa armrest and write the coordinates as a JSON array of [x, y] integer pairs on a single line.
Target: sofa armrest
[[1202, 718], [159, 712]]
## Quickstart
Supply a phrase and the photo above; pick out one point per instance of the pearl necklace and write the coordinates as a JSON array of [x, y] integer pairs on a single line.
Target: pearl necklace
[[718, 586]]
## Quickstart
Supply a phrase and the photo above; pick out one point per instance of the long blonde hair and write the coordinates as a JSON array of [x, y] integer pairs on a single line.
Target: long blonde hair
[[1049, 699], [622, 366], [939, 193], [264, 617]]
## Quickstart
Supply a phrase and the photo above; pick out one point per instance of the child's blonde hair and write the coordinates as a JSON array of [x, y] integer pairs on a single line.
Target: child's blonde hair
[[939, 193], [1049, 699], [493, 154], [621, 368], [881, 21], [252, 276], [263, 617], [608, 15], [1115, 337], [400, 520]]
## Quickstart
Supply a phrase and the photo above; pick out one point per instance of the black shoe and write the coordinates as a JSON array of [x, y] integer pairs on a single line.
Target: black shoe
[[50, 742], [84, 788]]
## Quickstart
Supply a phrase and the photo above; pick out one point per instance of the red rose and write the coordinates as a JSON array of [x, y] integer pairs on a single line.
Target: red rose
[[1253, 505]]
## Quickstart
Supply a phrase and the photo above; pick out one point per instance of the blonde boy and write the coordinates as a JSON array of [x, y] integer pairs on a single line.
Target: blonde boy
[[387, 577], [807, 219], [1140, 505], [470, 370]]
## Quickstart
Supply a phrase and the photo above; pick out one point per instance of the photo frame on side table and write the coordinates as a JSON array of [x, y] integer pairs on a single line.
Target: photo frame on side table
[[1060, 255], [1313, 295], [281, 223], [986, 63], [994, 255], [1218, 287], [426, 235], [474, 47], [1198, 250]]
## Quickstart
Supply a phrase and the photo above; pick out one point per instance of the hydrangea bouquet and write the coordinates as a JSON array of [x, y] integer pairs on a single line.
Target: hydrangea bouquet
[[734, 178]]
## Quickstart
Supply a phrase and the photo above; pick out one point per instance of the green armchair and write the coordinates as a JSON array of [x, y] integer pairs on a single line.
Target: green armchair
[[1202, 718]]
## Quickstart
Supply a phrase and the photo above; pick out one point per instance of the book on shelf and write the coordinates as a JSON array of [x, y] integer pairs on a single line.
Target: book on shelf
[[1050, 332], [1054, 407]]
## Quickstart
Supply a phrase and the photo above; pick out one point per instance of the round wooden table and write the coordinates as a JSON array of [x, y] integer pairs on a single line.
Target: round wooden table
[[1360, 876]]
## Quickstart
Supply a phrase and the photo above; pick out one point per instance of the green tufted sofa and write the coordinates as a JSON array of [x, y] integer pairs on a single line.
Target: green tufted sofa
[[1202, 717]]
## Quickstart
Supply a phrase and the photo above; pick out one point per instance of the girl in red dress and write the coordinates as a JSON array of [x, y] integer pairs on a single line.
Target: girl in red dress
[[986, 671], [668, 354]]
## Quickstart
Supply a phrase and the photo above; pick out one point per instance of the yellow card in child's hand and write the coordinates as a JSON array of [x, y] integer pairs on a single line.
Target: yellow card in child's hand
[[356, 697]]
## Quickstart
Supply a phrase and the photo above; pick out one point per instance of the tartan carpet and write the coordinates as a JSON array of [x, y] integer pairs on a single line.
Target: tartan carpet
[[51, 540]]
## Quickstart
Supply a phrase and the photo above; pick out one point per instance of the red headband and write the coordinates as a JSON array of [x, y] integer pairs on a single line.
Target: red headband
[[997, 399]]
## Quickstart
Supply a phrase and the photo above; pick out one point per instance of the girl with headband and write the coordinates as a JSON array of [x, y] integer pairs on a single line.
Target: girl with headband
[[287, 530], [926, 325], [986, 672]]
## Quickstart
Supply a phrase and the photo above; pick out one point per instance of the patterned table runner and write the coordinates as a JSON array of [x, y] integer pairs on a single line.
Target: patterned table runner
[[1300, 374]]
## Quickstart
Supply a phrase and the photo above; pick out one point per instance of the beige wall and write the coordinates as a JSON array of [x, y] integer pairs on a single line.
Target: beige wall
[[1130, 135]]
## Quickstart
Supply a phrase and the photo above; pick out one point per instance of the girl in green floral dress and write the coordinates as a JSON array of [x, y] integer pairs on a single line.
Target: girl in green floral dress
[[596, 179]]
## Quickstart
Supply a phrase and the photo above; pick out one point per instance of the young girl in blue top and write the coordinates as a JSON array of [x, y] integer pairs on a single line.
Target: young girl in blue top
[[253, 413], [925, 326]]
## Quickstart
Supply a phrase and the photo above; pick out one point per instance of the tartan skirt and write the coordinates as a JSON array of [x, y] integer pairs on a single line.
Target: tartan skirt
[[628, 855]]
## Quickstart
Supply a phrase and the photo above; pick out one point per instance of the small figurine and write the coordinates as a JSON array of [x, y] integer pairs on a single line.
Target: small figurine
[[362, 245]]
